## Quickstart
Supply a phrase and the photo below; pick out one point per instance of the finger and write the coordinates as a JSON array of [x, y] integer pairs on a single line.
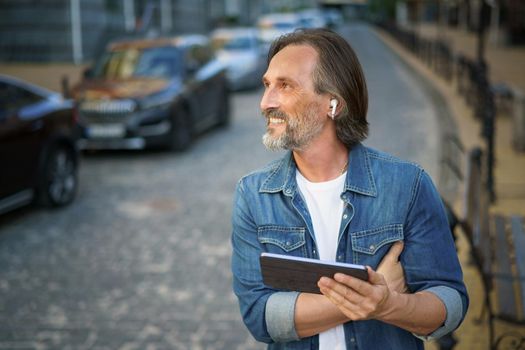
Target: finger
[[352, 309], [340, 295], [359, 286], [374, 277], [332, 285], [395, 251]]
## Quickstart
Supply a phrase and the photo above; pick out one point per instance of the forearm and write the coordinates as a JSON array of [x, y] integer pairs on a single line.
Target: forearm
[[314, 314], [420, 313]]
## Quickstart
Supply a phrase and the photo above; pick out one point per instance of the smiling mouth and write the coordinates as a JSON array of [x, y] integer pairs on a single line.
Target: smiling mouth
[[275, 121]]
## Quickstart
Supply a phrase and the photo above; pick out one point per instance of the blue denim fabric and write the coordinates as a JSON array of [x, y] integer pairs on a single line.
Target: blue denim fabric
[[386, 200]]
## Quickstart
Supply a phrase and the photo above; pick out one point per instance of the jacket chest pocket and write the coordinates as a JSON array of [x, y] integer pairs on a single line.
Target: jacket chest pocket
[[283, 240], [369, 246]]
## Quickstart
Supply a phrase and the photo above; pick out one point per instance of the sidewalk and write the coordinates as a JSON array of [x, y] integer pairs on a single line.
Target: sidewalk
[[40, 73], [505, 65]]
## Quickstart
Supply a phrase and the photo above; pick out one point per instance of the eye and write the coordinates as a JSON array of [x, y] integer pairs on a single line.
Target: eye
[[284, 85]]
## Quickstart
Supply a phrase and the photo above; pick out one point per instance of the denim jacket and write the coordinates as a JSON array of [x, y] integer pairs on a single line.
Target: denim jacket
[[386, 200]]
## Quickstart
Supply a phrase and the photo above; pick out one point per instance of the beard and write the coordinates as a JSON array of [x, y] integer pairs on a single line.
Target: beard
[[299, 131]]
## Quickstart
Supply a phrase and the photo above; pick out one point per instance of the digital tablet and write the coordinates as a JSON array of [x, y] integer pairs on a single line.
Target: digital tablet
[[302, 274]]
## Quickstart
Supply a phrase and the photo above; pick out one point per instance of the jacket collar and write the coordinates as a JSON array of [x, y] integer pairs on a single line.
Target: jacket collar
[[359, 176]]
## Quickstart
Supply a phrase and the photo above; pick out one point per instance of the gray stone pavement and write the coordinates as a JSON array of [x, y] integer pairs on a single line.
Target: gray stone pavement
[[141, 259]]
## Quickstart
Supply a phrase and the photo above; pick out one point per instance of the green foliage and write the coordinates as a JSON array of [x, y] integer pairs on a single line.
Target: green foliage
[[112, 5], [382, 9]]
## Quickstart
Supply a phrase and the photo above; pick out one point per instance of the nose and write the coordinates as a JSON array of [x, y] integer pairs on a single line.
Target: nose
[[269, 99]]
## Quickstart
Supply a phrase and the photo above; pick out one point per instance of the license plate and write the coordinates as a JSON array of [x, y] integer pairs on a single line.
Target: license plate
[[106, 130]]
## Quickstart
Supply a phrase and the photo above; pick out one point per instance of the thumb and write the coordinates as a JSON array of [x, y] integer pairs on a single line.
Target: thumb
[[395, 251], [374, 277]]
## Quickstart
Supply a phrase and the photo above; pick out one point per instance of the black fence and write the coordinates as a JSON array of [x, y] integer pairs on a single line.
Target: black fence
[[472, 81]]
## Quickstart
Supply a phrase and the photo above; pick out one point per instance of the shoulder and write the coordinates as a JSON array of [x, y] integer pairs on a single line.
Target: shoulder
[[254, 179], [385, 159], [391, 172], [384, 164]]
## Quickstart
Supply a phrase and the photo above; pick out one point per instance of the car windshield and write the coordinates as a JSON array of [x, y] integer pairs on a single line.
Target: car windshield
[[233, 43], [157, 62]]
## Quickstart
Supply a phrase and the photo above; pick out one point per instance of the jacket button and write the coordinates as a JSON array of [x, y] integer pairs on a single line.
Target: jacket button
[[345, 216], [372, 247]]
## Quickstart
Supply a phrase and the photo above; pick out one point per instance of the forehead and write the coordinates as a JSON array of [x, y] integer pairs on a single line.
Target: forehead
[[295, 62]]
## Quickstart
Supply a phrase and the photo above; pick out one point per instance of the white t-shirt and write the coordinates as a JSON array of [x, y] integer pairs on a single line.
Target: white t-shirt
[[325, 206]]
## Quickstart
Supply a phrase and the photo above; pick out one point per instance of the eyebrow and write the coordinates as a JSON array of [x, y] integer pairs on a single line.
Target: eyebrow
[[280, 79]]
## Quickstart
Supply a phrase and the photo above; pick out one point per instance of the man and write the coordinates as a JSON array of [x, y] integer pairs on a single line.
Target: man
[[332, 198]]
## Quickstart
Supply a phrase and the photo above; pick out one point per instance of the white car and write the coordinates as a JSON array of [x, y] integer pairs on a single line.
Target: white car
[[240, 50], [312, 18], [273, 25]]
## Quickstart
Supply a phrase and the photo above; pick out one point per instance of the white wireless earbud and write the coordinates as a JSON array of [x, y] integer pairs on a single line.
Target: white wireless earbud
[[333, 105]]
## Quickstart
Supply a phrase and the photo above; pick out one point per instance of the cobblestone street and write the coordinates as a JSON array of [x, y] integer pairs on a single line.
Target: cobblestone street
[[141, 259]]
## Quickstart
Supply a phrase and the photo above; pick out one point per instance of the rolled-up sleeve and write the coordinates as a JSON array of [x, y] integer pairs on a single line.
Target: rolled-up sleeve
[[280, 316], [429, 258], [267, 313], [454, 306]]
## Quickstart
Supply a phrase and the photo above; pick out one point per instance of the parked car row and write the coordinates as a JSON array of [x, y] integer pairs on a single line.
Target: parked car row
[[140, 93], [162, 92], [152, 93]]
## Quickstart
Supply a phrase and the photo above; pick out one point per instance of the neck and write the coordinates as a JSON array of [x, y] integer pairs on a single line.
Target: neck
[[322, 161]]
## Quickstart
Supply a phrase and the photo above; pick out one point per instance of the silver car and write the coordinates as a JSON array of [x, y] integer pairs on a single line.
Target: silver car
[[273, 25], [240, 50]]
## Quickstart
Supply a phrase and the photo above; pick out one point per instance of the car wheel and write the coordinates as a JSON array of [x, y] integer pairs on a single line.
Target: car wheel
[[59, 178], [224, 110], [181, 134]]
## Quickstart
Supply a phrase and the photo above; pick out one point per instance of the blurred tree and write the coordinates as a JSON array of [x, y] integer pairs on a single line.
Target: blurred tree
[[382, 9], [112, 6]]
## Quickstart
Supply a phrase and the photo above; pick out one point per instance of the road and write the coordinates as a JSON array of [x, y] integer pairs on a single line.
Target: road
[[141, 258]]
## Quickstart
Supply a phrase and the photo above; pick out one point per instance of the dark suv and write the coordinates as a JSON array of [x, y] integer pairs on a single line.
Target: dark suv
[[38, 152], [152, 93]]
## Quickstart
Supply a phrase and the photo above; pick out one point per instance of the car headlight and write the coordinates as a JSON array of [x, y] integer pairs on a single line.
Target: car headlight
[[156, 101]]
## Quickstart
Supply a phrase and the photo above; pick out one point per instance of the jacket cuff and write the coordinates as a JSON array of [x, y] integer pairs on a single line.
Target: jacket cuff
[[280, 316], [454, 306]]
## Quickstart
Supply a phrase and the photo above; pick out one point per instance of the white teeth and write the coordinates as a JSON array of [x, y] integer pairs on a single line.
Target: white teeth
[[276, 121]]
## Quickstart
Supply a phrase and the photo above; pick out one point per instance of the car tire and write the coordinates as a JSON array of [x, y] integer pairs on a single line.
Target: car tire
[[181, 134], [59, 180], [224, 110]]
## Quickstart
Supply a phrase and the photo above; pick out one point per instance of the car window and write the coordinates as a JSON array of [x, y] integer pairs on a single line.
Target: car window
[[233, 43], [197, 56], [156, 62], [12, 98]]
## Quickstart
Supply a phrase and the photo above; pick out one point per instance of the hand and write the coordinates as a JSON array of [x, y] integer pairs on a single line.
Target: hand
[[391, 269], [358, 299]]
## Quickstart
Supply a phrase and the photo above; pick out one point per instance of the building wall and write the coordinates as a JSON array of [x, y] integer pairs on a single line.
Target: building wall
[[36, 30], [32, 30]]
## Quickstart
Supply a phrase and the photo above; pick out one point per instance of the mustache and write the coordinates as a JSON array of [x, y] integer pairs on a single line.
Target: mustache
[[274, 113]]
